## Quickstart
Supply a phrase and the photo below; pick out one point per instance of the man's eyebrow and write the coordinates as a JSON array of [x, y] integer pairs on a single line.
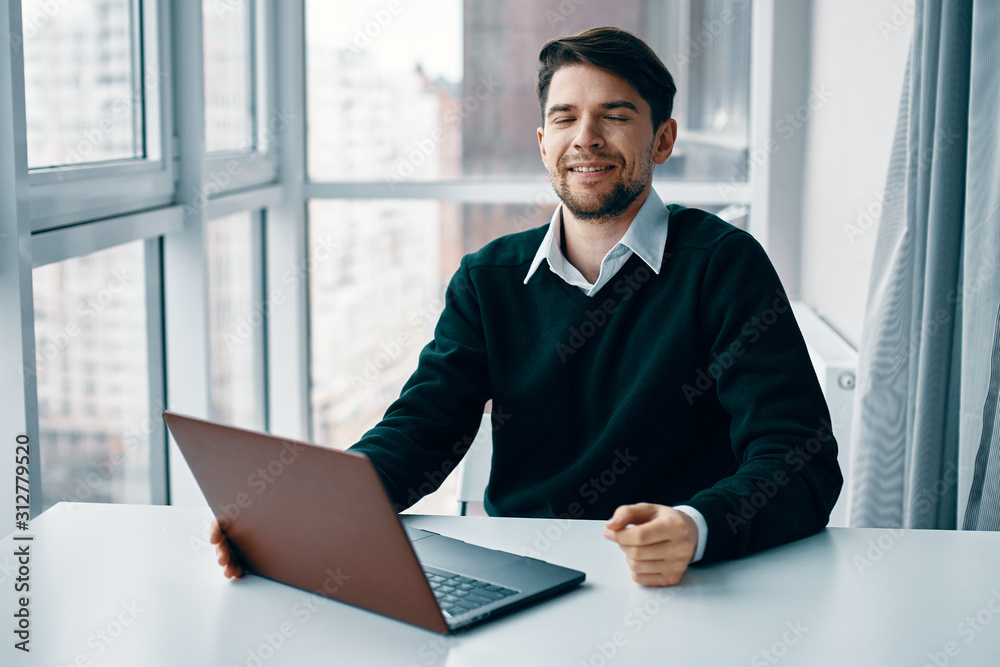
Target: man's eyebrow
[[615, 104], [559, 108], [619, 104]]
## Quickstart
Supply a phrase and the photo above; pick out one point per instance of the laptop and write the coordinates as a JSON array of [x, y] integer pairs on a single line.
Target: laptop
[[320, 520]]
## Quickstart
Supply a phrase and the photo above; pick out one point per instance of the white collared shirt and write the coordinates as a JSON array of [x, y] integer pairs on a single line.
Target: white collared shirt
[[646, 237]]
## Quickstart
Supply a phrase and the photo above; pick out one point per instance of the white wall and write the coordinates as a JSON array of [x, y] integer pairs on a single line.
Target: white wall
[[859, 52]]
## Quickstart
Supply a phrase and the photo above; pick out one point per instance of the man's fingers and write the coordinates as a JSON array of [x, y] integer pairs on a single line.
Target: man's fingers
[[658, 579], [666, 572], [634, 514], [655, 552], [646, 534], [215, 534], [668, 526], [231, 567], [656, 541], [648, 566]]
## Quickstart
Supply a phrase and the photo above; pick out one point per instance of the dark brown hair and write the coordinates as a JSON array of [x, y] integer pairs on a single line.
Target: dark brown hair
[[617, 52]]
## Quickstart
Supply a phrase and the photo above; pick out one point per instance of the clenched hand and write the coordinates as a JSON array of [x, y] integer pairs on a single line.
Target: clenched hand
[[658, 541], [227, 560]]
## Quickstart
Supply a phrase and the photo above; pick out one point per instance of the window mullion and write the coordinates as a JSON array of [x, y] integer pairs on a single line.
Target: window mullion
[[159, 491], [286, 264], [262, 306], [18, 392], [139, 131], [185, 264]]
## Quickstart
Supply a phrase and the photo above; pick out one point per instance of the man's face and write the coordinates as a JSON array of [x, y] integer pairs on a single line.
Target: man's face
[[597, 121]]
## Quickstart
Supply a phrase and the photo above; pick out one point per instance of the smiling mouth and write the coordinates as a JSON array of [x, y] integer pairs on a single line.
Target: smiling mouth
[[589, 169]]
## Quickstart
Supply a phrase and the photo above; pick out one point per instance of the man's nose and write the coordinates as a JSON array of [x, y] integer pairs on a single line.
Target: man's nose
[[589, 135]]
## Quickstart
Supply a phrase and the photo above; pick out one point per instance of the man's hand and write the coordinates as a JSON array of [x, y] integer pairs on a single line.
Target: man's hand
[[658, 545], [233, 569]]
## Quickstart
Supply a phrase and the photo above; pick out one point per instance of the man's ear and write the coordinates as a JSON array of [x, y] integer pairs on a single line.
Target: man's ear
[[541, 144], [663, 141]]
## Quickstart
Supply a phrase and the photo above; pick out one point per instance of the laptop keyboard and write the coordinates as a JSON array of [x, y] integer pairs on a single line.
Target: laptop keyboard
[[458, 595]]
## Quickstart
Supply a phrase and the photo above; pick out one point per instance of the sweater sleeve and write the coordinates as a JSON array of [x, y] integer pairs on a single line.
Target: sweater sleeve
[[787, 479], [426, 431]]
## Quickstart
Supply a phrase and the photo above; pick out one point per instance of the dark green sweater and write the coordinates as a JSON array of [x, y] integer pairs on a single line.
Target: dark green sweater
[[688, 387]]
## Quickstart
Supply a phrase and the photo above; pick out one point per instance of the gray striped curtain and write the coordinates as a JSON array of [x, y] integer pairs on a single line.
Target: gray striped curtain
[[925, 450]]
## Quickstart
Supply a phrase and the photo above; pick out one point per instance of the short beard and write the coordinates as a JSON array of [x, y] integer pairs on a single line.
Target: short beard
[[615, 203]]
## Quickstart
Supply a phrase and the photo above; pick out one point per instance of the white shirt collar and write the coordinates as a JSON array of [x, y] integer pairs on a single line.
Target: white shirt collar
[[646, 237]]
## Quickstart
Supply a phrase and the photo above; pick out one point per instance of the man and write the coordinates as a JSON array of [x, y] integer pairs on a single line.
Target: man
[[643, 361]]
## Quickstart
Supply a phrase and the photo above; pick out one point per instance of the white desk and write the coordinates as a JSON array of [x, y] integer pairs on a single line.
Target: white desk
[[146, 580]]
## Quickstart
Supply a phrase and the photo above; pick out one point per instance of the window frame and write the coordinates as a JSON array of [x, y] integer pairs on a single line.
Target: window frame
[[68, 195], [234, 170], [67, 212]]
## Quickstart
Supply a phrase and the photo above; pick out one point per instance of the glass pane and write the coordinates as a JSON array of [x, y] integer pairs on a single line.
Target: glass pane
[[93, 380], [439, 89], [228, 75], [236, 321], [378, 274], [81, 100]]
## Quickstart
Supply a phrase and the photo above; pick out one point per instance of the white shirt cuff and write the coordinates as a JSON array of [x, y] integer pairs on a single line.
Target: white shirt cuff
[[699, 521]]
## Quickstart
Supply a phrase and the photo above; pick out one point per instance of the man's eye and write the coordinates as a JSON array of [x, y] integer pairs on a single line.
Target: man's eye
[[563, 121], [617, 118]]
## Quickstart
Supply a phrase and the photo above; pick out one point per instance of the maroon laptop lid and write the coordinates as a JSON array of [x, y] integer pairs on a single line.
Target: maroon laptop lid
[[310, 517]]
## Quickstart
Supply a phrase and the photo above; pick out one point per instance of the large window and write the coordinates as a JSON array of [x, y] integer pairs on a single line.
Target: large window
[[149, 258], [175, 266], [442, 89]]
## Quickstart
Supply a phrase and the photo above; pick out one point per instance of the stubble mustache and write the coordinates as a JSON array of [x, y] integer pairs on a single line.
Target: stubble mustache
[[566, 160]]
